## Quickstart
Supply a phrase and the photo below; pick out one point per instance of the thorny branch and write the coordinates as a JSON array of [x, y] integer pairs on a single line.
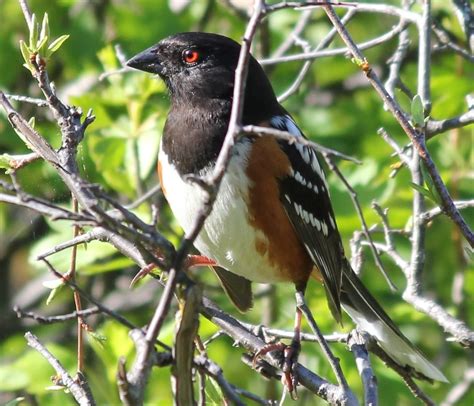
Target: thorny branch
[[141, 242]]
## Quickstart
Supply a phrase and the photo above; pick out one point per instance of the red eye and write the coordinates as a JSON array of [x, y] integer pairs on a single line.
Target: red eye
[[190, 56]]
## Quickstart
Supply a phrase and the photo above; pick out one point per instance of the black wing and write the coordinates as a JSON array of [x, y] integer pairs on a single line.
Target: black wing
[[305, 197]]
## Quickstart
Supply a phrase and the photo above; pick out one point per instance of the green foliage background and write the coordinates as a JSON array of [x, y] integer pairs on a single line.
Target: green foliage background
[[119, 153]]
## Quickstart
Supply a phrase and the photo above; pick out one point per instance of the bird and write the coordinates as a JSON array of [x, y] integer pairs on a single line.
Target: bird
[[272, 220]]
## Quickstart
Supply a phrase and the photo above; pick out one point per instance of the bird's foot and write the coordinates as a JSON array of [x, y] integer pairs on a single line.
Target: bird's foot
[[290, 360], [142, 273], [198, 260], [190, 261]]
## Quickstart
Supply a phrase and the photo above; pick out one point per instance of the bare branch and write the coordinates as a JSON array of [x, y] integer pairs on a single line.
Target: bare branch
[[27, 13], [460, 390], [416, 138], [186, 328], [434, 127], [396, 60], [26, 99], [55, 319], [427, 216], [331, 393], [324, 43], [466, 18], [79, 390], [357, 343], [365, 229], [215, 372], [424, 56], [312, 55], [333, 361], [291, 138]]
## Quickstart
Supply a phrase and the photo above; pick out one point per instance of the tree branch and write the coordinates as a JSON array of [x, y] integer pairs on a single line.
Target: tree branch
[[78, 387], [416, 138]]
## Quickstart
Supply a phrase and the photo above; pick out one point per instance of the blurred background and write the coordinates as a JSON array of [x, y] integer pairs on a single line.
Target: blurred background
[[334, 106]]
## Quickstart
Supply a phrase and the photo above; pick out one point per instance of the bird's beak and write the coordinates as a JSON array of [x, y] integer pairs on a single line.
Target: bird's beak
[[147, 61]]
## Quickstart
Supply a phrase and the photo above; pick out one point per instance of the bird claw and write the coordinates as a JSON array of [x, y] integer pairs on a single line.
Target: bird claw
[[142, 273], [198, 260], [190, 261], [290, 362], [290, 355]]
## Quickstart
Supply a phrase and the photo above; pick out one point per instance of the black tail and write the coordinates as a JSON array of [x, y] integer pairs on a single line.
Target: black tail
[[362, 307]]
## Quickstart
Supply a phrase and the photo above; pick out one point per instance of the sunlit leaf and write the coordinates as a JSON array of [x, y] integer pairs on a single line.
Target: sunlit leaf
[[56, 44], [33, 32], [417, 111], [44, 27]]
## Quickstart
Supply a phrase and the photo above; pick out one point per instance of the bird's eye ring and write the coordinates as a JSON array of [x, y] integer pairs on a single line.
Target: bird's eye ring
[[191, 56]]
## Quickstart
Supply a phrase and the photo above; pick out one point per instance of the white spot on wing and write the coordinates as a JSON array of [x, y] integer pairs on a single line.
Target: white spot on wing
[[304, 152], [300, 178], [305, 216], [331, 221], [324, 227], [318, 224]]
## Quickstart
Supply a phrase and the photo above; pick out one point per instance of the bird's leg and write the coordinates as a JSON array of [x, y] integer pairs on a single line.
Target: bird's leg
[[189, 262], [290, 352], [291, 356]]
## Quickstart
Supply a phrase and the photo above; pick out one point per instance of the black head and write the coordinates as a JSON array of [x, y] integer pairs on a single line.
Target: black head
[[199, 65]]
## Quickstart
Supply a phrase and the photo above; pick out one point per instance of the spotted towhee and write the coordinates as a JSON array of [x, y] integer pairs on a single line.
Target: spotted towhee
[[272, 220]]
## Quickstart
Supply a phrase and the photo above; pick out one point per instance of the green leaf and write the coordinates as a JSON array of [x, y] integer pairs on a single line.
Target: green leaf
[[41, 43], [425, 192], [25, 52], [33, 32], [56, 44], [100, 339], [44, 28], [16, 401], [417, 111], [32, 122], [430, 185], [52, 295], [5, 161]]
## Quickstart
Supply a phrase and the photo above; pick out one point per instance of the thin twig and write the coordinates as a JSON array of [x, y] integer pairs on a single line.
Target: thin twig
[[424, 56], [466, 18], [355, 201], [78, 391], [396, 60], [331, 393], [429, 215], [292, 138], [312, 55], [459, 390], [434, 127], [26, 99], [333, 361], [324, 43], [55, 319], [415, 137], [26, 13], [215, 372]]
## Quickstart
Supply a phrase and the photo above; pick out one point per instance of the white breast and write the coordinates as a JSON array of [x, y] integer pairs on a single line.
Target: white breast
[[226, 236]]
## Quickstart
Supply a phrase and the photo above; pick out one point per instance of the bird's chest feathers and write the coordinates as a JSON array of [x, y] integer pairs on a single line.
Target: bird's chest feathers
[[236, 232], [226, 236]]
